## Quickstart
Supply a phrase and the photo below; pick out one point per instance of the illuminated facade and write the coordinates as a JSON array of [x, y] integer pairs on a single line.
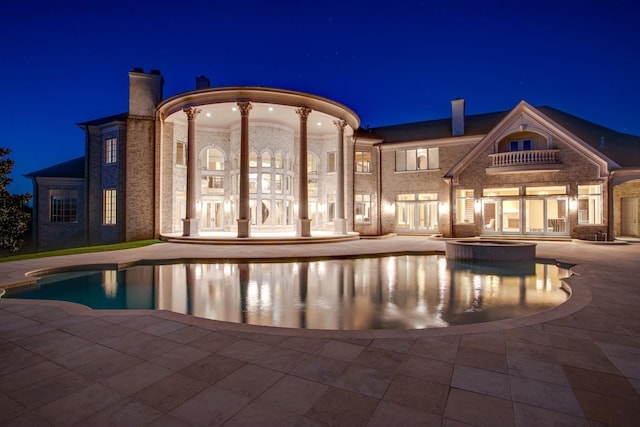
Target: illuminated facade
[[228, 160]]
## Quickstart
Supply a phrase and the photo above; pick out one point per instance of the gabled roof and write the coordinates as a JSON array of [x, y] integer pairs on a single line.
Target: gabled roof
[[122, 117], [69, 169], [621, 147], [477, 124]]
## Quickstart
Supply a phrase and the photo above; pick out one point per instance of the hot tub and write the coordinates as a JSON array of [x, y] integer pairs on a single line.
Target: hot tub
[[490, 250]]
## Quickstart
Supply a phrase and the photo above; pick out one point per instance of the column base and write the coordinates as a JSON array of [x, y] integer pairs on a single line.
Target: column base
[[190, 227], [244, 228], [340, 226], [303, 228]]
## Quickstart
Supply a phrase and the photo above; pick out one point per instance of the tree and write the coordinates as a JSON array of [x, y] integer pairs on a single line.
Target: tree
[[14, 215]]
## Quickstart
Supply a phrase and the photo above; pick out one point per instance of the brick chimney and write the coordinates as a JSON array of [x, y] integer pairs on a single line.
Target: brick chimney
[[203, 82], [145, 92], [457, 117]]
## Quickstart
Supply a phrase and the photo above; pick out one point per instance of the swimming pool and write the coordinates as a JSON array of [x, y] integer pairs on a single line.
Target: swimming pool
[[392, 292]]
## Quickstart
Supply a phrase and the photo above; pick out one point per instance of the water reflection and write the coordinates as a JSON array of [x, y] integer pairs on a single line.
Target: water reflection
[[398, 292]]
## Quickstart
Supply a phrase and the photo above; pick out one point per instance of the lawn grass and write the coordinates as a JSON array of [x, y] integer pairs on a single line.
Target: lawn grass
[[82, 250]]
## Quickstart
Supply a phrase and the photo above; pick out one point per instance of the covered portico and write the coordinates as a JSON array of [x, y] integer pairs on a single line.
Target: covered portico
[[251, 159]]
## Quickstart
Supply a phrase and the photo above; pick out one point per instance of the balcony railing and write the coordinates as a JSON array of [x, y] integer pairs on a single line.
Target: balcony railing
[[524, 158]]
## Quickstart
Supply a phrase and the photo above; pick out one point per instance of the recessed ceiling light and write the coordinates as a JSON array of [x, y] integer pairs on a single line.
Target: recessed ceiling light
[[234, 109], [270, 108], [319, 124], [208, 114]]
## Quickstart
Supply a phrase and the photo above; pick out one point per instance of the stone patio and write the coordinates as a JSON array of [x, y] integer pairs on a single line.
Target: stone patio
[[577, 365]]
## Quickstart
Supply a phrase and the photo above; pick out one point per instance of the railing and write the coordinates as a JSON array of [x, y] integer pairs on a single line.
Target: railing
[[522, 158]]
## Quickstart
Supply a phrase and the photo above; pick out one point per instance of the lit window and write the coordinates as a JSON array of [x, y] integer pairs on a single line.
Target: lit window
[[109, 207], [589, 204], [363, 161], [253, 159], [312, 165], [278, 161], [278, 183], [253, 182], [212, 159], [417, 159], [331, 207], [363, 208], [312, 187], [266, 160], [331, 161], [212, 184], [63, 205], [464, 207], [266, 183], [110, 150], [181, 153]]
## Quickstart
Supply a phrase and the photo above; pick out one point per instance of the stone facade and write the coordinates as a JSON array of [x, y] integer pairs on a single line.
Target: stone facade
[[475, 153]]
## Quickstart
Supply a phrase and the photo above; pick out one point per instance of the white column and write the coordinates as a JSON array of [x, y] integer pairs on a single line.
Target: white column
[[244, 210], [304, 223], [340, 224], [190, 226]]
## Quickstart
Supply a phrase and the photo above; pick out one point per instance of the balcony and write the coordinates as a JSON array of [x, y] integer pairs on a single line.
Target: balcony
[[524, 161]]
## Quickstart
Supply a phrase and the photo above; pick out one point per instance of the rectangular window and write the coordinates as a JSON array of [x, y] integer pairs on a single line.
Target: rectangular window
[[331, 207], [590, 204], [212, 184], [331, 162], [253, 182], [266, 183], [109, 207], [418, 159], [181, 153], [546, 191], [363, 208], [278, 183], [110, 150], [63, 205], [464, 207], [363, 161], [312, 187], [496, 192]]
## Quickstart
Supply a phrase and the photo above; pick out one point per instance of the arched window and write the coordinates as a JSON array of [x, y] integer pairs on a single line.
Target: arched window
[[212, 159], [278, 161], [266, 159], [253, 159]]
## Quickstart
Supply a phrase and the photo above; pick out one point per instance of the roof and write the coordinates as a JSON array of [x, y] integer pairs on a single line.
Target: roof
[[476, 124], [122, 117], [621, 147], [69, 169]]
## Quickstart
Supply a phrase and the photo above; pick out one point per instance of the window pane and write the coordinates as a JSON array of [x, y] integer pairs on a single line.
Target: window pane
[[411, 160], [401, 163], [266, 160], [492, 192], [544, 191], [331, 161]]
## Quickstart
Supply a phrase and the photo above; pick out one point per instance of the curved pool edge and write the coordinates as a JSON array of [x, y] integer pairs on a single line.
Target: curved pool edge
[[580, 296]]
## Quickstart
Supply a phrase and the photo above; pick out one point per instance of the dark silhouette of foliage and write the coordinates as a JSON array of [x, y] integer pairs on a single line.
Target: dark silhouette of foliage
[[14, 214]]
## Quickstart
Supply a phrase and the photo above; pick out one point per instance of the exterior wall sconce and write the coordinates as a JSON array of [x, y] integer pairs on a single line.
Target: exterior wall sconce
[[573, 204]]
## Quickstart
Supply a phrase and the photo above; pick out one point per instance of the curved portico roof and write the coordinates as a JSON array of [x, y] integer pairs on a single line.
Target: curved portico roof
[[279, 103]]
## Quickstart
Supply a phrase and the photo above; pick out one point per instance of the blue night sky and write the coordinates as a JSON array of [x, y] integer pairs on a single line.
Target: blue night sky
[[391, 62]]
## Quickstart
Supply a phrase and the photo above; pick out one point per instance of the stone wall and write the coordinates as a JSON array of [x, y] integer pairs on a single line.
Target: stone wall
[[140, 186]]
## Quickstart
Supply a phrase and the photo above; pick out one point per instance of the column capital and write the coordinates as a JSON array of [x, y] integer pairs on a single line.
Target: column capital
[[303, 112], [340, 124], [191, 112], [245, 107]]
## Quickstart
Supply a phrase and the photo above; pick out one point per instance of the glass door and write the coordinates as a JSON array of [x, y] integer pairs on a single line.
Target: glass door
[[511, 216]]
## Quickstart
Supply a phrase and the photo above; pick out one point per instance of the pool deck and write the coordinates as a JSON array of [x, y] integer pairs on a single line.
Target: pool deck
[[577, 365]]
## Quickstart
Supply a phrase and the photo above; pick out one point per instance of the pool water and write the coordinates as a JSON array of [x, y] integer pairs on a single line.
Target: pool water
[[394, 292]]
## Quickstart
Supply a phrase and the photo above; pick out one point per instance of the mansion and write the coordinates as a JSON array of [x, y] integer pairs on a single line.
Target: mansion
[[246, 161]]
